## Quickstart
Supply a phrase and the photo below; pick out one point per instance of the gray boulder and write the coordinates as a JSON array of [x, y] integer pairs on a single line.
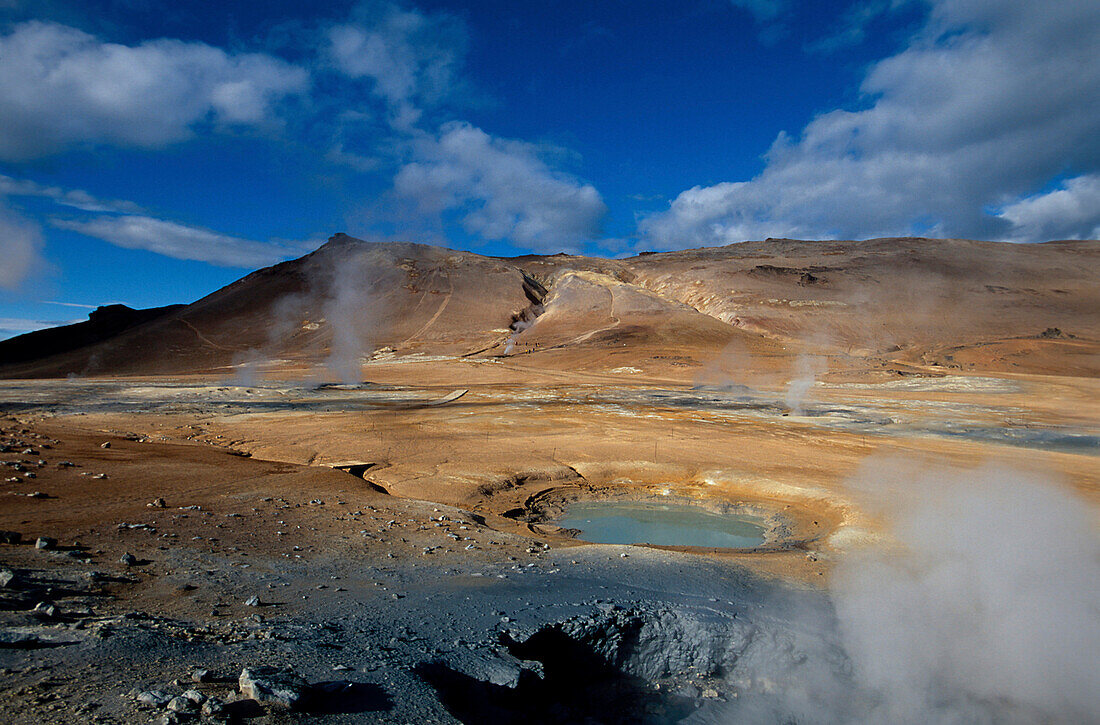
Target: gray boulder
[[283, 688]]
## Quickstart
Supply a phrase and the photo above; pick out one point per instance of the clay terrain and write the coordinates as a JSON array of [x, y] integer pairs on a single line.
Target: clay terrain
[[334, 490]]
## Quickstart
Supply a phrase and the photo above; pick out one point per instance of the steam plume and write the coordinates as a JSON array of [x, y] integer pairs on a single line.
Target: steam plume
[[984, 608]]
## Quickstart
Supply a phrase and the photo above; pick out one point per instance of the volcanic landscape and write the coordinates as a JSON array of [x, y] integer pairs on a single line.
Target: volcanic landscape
[[346, 488]]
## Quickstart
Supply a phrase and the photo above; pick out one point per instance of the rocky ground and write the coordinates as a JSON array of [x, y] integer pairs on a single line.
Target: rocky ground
[[201, 551], [164, 582]]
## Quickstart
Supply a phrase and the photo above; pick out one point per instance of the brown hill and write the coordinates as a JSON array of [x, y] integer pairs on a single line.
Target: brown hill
[[933, 303]]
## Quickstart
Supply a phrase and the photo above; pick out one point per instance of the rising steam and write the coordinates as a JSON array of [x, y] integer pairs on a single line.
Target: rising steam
[[984, 608], [807, 368], [990, 608]]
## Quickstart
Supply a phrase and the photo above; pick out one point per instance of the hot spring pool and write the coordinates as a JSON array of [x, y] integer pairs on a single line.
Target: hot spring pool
[[663, 524]]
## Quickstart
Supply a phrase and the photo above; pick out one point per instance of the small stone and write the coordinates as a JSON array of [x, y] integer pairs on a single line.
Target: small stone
[[7, 576], [157, 503], [194, 696], [100, 476], [201, 675], [127, 559], [38, 494], [710, 694], [156, 698], [10, 537], [105, 444], [45, 610], [45, 542], [252, 601], [181, 704], [213, 707]]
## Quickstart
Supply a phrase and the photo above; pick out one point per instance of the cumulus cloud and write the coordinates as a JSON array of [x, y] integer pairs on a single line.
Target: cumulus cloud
[[411, 58], [1068, 212], [500, 189], [179, 240], [61, 87], [20, 248], [988, 103], [497, 188]]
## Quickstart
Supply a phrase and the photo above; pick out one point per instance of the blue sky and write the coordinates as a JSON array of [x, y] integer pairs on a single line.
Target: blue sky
[[152, 152]]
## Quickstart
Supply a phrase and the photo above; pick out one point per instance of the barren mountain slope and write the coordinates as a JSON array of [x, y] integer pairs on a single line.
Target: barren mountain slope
[[941, 303]]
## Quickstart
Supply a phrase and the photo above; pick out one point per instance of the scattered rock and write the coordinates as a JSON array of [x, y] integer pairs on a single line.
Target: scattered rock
[[45, 542], [283, 688], [182, 704], [201, 675], [156, 698], [45, 610], [213, 708], [157, 503], [252, 601], [105, 444], [7, 576], [127, 559]]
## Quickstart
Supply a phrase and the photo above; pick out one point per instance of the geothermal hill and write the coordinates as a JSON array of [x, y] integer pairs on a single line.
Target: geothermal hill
[[951, 304]]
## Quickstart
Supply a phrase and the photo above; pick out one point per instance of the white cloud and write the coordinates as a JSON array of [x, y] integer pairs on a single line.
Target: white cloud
[[79, 305], [20, 248], [76, 198], [990, 102], [1069, 212], [500, 188], [411, 58], [854, 24], [180, 241], [60, 87], [12, 326]]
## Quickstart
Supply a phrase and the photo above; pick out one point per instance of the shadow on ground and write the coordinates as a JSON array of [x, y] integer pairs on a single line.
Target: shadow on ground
[[578, 686]]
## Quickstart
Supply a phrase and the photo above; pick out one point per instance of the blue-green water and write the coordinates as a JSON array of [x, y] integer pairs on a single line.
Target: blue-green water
[[664, 524]]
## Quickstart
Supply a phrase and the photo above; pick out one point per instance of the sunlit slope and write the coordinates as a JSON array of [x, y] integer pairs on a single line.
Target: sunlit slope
[[935, 304]]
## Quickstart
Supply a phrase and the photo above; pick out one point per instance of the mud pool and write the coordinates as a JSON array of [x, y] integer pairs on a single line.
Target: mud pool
[[661, 524]]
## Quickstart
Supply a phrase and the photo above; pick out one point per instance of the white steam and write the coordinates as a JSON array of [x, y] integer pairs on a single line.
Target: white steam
[[357, 283], [806, 370], [984, 607], [517, 329], [730, 370], [21, 246], [990, 605]]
